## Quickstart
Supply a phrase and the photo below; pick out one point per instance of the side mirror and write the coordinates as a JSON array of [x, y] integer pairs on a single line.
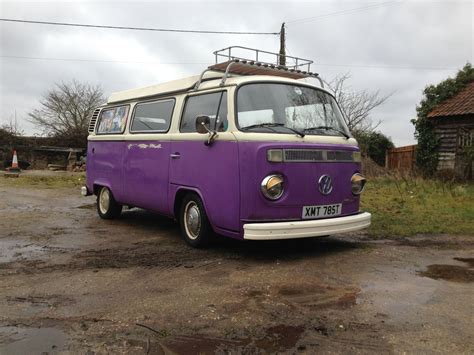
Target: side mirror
[[203, 124]]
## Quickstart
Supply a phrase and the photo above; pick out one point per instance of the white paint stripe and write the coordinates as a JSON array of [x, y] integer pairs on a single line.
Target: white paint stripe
[[228, 136]]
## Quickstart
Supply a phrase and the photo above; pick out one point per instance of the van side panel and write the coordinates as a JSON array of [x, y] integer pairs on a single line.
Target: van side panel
[[213, 171], [146, 167], [104, 166]]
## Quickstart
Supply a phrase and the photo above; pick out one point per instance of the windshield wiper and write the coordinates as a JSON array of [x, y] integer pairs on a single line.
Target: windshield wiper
[[267, 124], [327, 128], [272, 124]]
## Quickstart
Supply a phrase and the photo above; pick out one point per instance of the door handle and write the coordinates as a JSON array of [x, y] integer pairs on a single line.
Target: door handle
[[175, 155]]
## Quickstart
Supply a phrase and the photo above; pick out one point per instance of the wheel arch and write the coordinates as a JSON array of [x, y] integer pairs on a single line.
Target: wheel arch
[[96, 185], [181, 192]]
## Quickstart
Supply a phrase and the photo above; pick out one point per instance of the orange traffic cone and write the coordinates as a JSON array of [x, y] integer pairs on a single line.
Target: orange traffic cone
[[14, 167]]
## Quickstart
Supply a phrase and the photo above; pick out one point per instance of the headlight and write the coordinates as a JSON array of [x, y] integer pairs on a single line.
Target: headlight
[[358, 183], [272, 187]]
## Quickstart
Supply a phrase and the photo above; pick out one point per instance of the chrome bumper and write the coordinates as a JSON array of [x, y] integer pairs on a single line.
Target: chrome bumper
[[304, 229]]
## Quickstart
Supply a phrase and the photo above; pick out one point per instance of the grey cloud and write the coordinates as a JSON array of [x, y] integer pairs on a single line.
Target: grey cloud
[[413, 33]]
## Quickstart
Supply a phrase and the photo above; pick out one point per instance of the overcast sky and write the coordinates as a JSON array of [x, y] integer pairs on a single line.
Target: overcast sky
[[395, 46]]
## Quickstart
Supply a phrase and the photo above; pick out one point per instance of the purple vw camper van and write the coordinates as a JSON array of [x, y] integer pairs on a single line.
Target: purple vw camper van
[[247, 150]]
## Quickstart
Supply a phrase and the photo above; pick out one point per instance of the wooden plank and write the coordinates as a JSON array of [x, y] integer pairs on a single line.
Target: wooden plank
[[401, 158]]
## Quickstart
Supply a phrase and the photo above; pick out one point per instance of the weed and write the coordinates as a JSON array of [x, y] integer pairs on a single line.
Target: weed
[[407, 207]]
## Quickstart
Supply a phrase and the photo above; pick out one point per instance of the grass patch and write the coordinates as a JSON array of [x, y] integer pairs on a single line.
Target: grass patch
[[399, 207], [406, 207], [52, 180]]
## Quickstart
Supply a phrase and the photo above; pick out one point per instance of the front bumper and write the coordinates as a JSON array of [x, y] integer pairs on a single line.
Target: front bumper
[[304, 229], [85, 191]]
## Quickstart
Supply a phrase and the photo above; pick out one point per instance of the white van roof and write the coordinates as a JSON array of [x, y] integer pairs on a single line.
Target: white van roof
[[153, 90], [242, 71]]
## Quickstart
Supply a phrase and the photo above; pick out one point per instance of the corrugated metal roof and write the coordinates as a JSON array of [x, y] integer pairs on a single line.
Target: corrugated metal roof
[[460, 104]]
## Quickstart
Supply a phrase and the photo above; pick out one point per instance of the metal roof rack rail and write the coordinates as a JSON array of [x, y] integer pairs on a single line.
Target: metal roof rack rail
[[239, 65], [261, 56], [198, 83], [244, 67]]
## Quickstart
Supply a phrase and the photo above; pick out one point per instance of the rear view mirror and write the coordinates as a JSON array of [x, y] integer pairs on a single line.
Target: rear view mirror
[[203, 124]]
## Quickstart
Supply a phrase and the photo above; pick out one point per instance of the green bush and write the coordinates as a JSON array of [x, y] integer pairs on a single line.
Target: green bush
[[374, 145]]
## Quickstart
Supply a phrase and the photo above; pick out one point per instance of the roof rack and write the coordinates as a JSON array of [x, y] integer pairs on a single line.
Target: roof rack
[[242, 66], [263, 57]]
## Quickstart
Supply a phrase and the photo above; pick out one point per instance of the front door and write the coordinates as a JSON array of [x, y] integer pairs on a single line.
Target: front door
[[211, 170]]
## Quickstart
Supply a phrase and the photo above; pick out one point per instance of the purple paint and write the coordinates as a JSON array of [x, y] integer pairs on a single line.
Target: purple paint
[[226, 174], [104, 166], [301, 187]]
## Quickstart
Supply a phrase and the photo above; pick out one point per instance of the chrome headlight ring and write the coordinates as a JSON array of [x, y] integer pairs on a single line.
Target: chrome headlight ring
[[357, 184], [272, 186]]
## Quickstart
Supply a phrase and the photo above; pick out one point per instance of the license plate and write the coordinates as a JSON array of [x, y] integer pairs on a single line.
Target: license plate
[[311, 212]]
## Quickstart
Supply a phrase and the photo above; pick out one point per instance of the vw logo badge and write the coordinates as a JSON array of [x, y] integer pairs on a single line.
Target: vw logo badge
[[325, 184]]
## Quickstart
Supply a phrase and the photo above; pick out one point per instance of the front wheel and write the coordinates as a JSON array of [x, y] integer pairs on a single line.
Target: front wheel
[[195, 227], [107, 207]]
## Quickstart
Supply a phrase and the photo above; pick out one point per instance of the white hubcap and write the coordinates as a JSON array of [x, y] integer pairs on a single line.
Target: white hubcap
[[104, 200], [192, 220]]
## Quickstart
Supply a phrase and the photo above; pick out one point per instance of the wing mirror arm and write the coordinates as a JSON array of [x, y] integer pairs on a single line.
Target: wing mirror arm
[[203, 126]]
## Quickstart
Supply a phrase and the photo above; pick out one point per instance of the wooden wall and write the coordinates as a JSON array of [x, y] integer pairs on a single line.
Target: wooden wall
[[401, 159], [453, 132]]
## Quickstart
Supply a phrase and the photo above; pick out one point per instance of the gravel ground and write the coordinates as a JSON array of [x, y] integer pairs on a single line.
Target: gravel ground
[[73, 283]]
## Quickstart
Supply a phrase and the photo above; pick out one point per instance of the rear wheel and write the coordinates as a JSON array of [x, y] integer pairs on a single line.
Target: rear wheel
[[195, 227], [107, 207]]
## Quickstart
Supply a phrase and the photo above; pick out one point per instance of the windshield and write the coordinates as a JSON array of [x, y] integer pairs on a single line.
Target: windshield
[[285, 108]]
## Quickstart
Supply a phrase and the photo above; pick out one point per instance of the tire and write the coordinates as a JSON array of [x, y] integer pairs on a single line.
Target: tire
[[107, 207], [195, 227]]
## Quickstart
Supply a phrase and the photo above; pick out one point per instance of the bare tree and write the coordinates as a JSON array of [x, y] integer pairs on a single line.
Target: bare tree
[[66, 109], [12, 127], [356, 105]]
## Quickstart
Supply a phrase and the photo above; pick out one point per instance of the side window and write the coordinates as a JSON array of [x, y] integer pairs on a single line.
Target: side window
[[152, 116], [213, 105], [113, 120]]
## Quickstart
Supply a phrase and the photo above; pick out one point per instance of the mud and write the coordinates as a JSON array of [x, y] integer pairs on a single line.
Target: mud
[[72, 283], [453, 273], [17, 340], [469, 261], [12, 251], [279, 338]]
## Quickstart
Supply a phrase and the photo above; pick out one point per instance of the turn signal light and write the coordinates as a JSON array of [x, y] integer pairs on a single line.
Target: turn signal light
[[275, 155]]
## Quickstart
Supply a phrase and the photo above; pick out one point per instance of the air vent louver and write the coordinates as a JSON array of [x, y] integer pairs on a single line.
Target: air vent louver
[[312, 155], [93, 120]]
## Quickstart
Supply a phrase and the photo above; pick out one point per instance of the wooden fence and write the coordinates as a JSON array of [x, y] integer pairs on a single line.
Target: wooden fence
[[401, 159]]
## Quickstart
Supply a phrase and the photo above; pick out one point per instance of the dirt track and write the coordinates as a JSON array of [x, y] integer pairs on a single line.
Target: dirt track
[[70, 282]]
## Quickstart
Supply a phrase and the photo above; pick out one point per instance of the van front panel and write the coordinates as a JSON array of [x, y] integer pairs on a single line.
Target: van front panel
[[301, 181]]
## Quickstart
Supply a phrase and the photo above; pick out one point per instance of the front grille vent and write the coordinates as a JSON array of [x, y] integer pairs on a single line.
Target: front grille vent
[[313, 155], [93, 120]]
